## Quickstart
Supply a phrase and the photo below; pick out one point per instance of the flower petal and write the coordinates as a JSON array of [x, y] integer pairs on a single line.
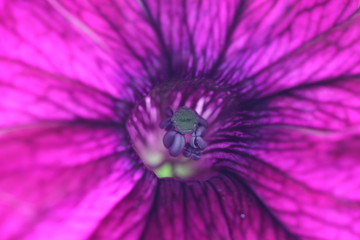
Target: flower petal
[[297, 150], [189, 38], [127, 218], [206, 36], [224, 207], [51, 177], [333, 56], [32, 95], [40, 34], [273, 31], [315, 130], [48, 77], [116, 25]]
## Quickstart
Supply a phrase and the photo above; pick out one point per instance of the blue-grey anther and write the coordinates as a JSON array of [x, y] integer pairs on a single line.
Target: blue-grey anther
[[175, 142], [196, 140], [190, 152], [178, 145], [177, 124], [169, 138], [185, 120]]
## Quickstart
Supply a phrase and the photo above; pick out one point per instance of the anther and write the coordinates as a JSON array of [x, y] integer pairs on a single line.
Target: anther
[[190, 152], [175, 142], [184, 121]]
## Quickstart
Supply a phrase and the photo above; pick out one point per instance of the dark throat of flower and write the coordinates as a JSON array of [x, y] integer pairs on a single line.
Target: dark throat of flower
[[171, 129]]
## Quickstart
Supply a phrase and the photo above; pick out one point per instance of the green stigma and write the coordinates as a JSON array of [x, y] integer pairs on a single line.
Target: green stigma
[[185, 120], [164, 171]]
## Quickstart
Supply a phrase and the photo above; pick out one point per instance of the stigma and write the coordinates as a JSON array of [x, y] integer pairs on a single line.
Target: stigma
[[184, 121]]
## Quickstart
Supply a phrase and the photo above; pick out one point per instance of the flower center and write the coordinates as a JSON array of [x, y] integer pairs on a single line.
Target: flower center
[[185, 120], [170, 128]]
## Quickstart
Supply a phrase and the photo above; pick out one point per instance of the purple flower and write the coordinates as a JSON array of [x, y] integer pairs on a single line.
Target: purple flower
[[267, 148]]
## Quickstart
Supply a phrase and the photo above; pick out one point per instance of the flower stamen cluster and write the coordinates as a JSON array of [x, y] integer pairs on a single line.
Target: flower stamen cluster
[[184, 121]]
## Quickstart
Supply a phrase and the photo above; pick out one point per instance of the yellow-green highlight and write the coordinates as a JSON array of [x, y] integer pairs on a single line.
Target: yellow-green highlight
[[164, 171]]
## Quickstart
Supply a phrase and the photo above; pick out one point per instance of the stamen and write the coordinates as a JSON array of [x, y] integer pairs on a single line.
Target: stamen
[[177, 145], [190, 152], [169, 138], [171, 141], [184, 121]]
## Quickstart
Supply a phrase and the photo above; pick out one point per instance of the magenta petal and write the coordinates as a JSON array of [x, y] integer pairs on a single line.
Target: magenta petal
[[33, 95], [275, 30], [284, 164], [61, 48], [178, 145], [114, 27], [303, 163], [221, 208], [318, 62], [52, 175], [129, 217], [240, 36]]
